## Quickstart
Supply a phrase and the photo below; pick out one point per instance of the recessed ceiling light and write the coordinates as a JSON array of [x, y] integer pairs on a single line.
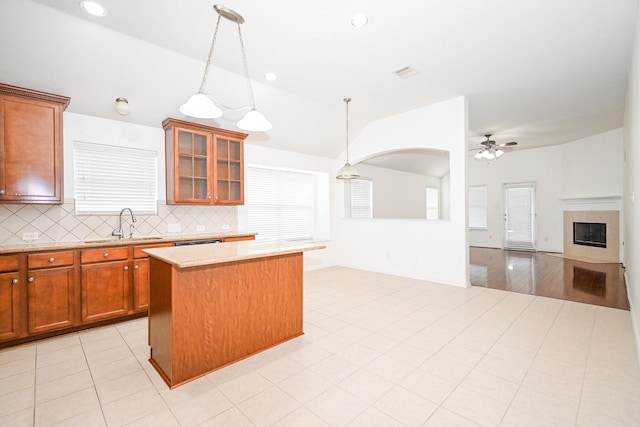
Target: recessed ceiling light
[[270, 77], [93, 8], [359, 20]]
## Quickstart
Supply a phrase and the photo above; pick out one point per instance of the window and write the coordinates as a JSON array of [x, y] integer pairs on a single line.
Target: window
[[361, 198], [478, 207], [108, 178], [433, 203], [281, 204]]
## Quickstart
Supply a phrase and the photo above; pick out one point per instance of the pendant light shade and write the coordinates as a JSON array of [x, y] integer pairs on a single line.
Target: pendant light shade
[[254, 121], [347, 171], [204, 106], [201, 106]]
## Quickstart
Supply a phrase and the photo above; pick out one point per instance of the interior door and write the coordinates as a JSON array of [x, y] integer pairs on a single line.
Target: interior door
[[520, 216]]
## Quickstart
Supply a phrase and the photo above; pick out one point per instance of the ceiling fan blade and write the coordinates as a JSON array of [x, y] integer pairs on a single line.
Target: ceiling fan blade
[[507, 144]]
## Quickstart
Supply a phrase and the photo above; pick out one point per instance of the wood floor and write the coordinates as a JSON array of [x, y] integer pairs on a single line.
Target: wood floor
[[547, 275]]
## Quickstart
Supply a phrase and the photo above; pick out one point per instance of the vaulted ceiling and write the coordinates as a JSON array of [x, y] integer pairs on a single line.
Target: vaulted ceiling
[[540, 72]]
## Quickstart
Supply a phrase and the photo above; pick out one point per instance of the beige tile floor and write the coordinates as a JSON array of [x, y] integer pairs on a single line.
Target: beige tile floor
[[378, 350]]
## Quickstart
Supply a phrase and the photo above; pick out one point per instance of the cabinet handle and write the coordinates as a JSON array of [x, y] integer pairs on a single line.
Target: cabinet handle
[[135, 267], [1, 192], [106, 254], [31, 279], [52, 259], [14, 281], [216, 197], [126, 267]]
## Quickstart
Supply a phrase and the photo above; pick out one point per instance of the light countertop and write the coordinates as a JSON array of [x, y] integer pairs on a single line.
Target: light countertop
[[216, 253], [143, 240]]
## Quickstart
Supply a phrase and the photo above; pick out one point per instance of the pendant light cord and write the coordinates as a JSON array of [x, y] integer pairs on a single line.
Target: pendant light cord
[[206, 68], [246, 69], [346, 101]]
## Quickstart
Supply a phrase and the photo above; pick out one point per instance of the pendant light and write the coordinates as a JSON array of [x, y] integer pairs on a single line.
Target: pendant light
[[347, 171], [204, 106]]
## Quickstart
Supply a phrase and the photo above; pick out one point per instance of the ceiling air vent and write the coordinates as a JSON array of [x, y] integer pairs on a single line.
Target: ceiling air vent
[[405, 72]]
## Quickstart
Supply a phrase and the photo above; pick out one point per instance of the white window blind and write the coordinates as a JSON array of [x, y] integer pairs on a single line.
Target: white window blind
[[433, 203], [280, 204], [478, 207], [361, 198], [519, 213], [109, 178]]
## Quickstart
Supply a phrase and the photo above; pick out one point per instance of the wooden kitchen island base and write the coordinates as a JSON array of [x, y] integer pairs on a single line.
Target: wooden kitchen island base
[[204, 317]]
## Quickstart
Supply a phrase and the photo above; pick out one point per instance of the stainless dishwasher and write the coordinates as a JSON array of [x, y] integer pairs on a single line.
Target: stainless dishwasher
[[196, 242]]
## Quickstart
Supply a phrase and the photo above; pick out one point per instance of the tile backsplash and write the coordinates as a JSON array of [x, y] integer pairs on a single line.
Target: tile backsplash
[[58, 223]]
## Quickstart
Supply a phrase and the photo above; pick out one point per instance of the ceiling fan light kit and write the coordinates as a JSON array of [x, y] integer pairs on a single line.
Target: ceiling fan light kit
[[204, 106], [489, 150]]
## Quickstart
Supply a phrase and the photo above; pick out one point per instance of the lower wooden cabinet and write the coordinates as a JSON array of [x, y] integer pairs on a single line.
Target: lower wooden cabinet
[[140, 285], [51, 291], [105, 290], [10, 306], [44, 293], [51, 299], [141, 276]]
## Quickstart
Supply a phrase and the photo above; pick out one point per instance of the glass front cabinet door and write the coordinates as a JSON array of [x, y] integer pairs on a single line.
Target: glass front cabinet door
[[229, 176], [205, 165]]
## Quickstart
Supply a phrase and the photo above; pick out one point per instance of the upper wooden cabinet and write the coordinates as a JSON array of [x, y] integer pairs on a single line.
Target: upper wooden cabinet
[[30, 145], [205, 165]]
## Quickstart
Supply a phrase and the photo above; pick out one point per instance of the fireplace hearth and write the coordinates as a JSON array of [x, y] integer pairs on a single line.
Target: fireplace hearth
[[590, 234]]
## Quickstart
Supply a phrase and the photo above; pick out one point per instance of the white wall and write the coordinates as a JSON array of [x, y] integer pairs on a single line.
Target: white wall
[[578, 169], [256, 155], [591, 167], [632, 185], [398, 194], [428, 250], [80, 127], [542, 166]]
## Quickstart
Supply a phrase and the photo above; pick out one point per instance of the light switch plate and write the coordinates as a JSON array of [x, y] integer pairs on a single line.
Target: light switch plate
[[173, 228]]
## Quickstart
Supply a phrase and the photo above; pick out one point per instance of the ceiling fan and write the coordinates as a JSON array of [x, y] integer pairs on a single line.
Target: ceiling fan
[[489, 150]]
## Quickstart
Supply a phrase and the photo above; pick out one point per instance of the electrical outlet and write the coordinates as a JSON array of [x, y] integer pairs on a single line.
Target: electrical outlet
[[31, 235], [226, 227], [200, 228], [173, 228]]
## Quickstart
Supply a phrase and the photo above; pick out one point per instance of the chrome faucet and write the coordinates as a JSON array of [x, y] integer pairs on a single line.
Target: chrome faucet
[[118, 231]]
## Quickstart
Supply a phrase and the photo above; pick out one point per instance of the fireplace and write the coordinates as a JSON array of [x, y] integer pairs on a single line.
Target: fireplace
[[590, 234]]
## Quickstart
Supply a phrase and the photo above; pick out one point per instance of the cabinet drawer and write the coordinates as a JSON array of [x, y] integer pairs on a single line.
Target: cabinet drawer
[[50, 259], [104, 254], [137, 250], [9, 263]]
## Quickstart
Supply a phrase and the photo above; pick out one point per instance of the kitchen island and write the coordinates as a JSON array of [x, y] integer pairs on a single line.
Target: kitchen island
[[212, 305]]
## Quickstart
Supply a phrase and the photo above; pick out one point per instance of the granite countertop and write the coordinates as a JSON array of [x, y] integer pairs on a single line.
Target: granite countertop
[[48, 246], [199, 255]]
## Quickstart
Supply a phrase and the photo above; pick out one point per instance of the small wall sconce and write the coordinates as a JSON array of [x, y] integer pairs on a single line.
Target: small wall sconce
[[122, 106]]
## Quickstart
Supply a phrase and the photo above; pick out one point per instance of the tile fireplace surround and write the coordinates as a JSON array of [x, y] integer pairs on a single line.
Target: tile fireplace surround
[[609, 254]]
